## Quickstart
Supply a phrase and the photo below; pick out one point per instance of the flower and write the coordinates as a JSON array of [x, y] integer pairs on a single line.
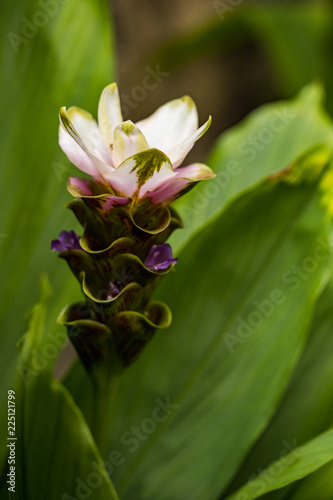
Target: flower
[[68, 240], [135, 161], [160, 257]]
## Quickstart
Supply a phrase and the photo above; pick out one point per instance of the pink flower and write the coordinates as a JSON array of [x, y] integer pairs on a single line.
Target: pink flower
[[139, 160]]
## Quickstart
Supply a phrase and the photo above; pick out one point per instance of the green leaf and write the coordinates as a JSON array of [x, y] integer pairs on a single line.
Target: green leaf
[[307, 407], [241, 318], [291, 467], [266, 142], [56, 456], [66, 61], [318, 485]]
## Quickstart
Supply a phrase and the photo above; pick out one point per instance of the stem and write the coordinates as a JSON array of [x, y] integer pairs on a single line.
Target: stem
[[105, 389]]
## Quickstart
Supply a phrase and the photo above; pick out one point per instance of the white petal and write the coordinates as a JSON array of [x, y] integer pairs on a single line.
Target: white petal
[[170, 124], [128, 141], [185, 176], [140, 173], [76, 154], [178, 153], [89, 132], [109, 113], [84, 124]]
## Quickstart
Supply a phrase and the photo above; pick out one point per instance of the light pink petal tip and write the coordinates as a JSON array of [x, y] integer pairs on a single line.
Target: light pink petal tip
[[185, 177]]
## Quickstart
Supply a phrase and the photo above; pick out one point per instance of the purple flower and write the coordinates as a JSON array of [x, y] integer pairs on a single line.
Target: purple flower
[[159, 257], [68, 240]]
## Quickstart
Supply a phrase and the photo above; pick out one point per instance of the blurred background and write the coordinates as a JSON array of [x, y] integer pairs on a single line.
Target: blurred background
[[230, 55]]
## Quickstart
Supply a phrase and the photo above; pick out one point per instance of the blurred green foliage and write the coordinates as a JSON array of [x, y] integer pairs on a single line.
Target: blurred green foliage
[[47, 60], [74, 456]]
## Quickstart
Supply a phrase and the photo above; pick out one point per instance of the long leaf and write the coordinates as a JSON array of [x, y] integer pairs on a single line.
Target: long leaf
[[318, 485], [307, 407], [47, 61], [54, 453]]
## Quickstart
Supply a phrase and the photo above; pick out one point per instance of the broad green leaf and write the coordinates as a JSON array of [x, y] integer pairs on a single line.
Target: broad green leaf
[[316, 486], [241, 318], [56, 456], [267, 141], [289, 468], [66, 61], [307, 407]]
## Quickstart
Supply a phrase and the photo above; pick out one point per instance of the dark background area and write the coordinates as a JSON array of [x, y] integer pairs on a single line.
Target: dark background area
[[231, 56]]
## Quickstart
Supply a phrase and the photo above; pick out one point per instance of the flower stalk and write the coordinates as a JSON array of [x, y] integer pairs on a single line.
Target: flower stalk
[[104, 394]]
